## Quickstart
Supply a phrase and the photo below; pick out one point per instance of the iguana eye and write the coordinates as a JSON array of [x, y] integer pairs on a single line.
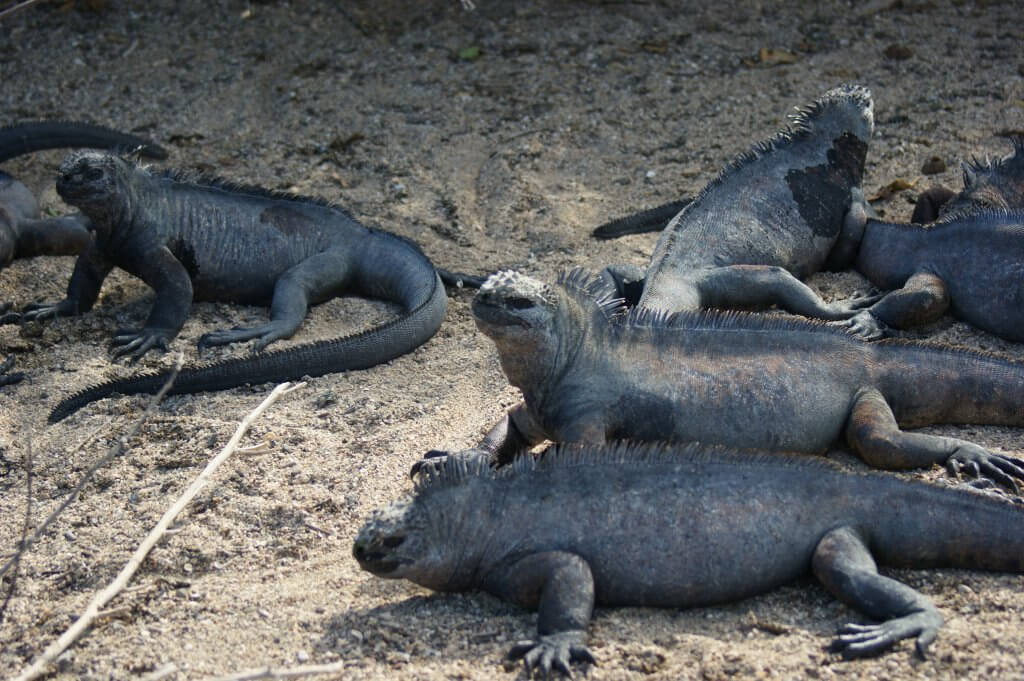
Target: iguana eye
[[519, 303], [92, 174], [392, 542]]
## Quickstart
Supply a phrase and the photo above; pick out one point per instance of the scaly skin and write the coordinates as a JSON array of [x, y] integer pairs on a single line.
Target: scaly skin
[[784, 210], [23, 234], [968, 263], [590, 373], [988, 184], [678, 526], [196, 238]]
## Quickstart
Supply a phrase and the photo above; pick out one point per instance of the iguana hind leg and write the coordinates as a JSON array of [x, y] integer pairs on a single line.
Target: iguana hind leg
[[315, 279], [873, 433], [922, 300], [753, 286], [844, 565]]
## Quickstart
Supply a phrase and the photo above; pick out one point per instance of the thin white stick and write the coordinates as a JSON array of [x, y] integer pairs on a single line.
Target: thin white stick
[[86, 619], [292, 673]]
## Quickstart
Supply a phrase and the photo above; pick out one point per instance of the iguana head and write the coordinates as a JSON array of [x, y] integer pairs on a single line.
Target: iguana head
[[396, 543], [513, 303], [94, 181], [847, 109], [992, 183], [521, 315]]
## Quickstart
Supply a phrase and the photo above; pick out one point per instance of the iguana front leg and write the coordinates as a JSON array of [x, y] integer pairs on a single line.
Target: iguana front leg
[[560, 586], [844, 565], [922, 300], [91, 268], [752, 286], [873, 433], [168, 277], [314, 279]]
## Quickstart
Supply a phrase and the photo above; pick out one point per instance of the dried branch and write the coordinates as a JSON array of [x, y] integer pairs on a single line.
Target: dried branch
[[86, 619], [292, 673]]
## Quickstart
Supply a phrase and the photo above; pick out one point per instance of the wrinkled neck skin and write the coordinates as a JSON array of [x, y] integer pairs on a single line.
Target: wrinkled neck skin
[[887, 252], [457, 537], [533, 359]]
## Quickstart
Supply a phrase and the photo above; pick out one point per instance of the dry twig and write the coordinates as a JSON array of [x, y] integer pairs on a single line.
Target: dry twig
[[86, 619], [286, 673]]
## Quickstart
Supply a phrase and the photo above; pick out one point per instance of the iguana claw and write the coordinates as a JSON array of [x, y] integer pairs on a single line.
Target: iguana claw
[[137, 343], [553, 651], [35, 312], [8, 317], [6, 378], [866, 640], [978, 462], [865, 325]]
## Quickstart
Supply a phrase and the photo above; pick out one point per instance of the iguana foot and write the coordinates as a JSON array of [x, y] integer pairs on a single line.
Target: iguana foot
[[264, 335], [553, 651], [435, 458], [978, 462], [35, 312], [137, 342], [866, 640], [6, 378], [8, 317], [866, 326]]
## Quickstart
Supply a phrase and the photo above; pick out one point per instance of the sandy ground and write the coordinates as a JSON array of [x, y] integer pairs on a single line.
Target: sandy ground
[[565, 115]]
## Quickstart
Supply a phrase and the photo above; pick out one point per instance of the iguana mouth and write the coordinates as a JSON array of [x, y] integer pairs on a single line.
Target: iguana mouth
[[376, 562], [496, 314]]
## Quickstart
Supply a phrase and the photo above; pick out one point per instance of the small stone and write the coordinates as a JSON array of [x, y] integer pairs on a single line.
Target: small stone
[[933, 166], [898, 52], [302, 657]]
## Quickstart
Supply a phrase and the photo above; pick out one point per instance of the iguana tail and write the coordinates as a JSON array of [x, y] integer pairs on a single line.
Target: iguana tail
[[650, 220], [931, 383], [392, 273], [25, 138]]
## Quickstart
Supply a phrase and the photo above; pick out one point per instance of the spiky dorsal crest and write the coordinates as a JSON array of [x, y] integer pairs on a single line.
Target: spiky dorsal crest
[[463, 467], [1011, 166], [205, 181], [996, 213], [725, 320], [801, 125], [592, 290]]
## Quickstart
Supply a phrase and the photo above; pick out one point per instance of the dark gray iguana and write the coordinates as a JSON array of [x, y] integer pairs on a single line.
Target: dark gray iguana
[[989, 183], [205, 239], [23, 233], [590, 373], [683, 526], [970, 263], [784, 210]]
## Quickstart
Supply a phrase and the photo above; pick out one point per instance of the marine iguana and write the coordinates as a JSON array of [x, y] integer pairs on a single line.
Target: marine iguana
[[662, 525], [23, 234], [987, 184], [778, 213], [194, 237], [967, 263], [589, 372]]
